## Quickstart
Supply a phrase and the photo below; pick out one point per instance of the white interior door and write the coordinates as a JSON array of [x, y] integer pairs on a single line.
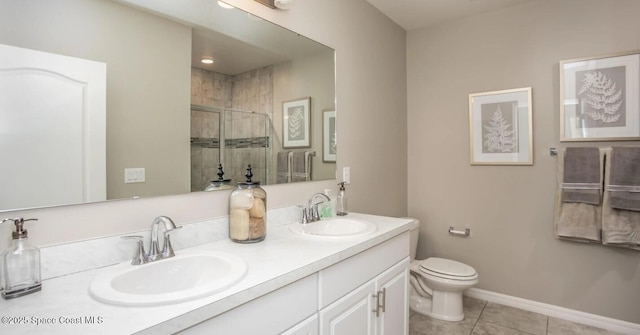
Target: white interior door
[[52, 129]]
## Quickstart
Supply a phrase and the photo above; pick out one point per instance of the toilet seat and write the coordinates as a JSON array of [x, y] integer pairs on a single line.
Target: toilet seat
[[448, 269]]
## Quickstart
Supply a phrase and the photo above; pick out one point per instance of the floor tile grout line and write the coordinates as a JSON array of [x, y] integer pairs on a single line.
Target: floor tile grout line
[[547, 332], [478, 319], [508, 327]]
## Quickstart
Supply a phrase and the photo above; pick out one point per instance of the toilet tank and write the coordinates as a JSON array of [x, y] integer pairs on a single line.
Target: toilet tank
[[414, 230]]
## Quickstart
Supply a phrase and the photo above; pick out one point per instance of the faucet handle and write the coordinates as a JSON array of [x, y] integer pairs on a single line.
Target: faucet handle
[[167, 249], [141, 256], [304, 218], [315, 215]]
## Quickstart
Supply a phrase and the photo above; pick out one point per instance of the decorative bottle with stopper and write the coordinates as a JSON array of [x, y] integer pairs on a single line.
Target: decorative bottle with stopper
[[20, 264], [341, 205], [220, 183], [248, 211]]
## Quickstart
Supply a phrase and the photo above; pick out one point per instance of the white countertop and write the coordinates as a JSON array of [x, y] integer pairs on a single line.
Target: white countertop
[[65, 307]]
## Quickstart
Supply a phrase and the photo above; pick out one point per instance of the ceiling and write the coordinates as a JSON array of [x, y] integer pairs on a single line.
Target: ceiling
[[415, 14], [239, 42]]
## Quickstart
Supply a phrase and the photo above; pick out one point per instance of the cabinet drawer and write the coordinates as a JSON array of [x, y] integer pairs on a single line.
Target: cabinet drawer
[[344, 277], [272, 313], [306, 327]]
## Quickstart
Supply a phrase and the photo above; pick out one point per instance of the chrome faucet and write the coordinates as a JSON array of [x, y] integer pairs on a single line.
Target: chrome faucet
[[154, 253], [310, 212], [167, 249]]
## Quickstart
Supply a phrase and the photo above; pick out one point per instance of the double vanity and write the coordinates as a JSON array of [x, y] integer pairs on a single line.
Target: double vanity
[[339, 276]]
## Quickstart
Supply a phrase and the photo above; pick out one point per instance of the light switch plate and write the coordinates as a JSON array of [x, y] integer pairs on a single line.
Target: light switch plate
[[134, 175]]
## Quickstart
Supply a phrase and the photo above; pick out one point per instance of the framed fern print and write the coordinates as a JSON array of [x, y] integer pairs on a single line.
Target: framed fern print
[[500, 127], [599, 98], [329, 145], [296, 123]]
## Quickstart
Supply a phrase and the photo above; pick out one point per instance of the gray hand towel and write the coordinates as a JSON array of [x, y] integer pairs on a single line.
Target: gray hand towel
[[300, 166], [577, 221], [283, 167], [625, 172], [582, 166], [620, 227]]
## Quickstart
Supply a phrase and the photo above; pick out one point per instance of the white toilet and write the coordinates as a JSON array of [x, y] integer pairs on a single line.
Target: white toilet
[[437, 283]]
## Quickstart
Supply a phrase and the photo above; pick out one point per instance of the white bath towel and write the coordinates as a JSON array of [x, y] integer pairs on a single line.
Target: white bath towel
[[573, 220], [620, 227]]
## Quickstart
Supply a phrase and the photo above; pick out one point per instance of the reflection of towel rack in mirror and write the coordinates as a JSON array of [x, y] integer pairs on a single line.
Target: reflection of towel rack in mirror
[[464, 233]]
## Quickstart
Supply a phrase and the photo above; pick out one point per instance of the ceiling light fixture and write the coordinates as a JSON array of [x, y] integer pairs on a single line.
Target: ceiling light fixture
[[279, 4], [206, 61], [224, 5]]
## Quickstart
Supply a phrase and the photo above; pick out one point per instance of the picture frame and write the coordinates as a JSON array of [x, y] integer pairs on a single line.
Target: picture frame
[[296, 123], [501, 127], [599, 98], [329, 145]]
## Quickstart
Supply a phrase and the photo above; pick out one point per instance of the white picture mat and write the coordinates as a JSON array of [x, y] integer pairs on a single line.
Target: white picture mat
[[523, 125], [327, 135], [305, 142], [570, 101]]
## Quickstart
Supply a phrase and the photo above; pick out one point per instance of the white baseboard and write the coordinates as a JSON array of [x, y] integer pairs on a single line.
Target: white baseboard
[[614, 325]]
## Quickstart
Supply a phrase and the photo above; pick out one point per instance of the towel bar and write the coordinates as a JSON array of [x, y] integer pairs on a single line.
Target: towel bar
[[465, 233]]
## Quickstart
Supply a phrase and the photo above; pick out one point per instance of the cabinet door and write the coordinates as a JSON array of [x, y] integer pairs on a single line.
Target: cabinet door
[[351, 314], [394, 320], [306, 327]]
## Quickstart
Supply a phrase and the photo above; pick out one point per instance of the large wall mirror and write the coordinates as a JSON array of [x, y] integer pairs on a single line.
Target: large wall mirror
[[162, 122]]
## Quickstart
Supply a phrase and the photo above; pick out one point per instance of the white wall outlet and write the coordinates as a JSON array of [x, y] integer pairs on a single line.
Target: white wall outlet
[[346, 175], [134, 175]]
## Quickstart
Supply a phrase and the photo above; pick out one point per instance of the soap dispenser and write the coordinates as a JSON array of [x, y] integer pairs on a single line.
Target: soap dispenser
[[21, 264], [341, 206]]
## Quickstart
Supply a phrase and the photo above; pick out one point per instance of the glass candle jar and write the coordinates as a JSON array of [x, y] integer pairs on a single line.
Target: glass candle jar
[[248, 212]]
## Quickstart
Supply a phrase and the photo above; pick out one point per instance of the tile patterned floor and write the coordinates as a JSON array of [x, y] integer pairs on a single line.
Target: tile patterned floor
[[486, 318]]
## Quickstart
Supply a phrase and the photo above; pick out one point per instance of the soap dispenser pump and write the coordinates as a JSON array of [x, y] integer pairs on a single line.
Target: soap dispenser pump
[[21, 264], [341, 206]]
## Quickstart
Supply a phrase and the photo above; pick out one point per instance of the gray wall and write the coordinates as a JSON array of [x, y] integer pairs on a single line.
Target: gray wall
[[510, 209], [147, 109]]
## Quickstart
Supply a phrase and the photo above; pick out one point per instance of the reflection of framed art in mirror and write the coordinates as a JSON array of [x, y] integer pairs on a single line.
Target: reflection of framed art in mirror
[[296, 126], [329, 146]]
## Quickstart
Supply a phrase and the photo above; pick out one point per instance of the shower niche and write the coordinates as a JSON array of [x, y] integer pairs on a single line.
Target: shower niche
[[232, 138]]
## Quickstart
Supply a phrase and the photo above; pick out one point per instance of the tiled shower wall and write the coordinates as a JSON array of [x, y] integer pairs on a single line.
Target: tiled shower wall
[[252, 90]]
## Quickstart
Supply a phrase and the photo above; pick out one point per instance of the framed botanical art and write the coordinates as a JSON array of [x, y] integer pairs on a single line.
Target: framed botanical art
[[599, 98], [500, 127], [329, 146], [296, 123]]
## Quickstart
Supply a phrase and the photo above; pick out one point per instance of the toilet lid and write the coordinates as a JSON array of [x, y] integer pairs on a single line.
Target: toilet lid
[[447, 267]]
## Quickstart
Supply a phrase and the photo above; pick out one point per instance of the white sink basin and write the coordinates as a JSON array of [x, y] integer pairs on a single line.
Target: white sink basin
[[334, 228], [177, 279]]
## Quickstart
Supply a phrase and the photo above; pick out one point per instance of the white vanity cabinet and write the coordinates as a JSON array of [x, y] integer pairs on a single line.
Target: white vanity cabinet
[[380, 305], [339, 300]]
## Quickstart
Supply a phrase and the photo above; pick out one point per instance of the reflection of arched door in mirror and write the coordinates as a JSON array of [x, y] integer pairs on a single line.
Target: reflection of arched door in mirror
[[52, 129]]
